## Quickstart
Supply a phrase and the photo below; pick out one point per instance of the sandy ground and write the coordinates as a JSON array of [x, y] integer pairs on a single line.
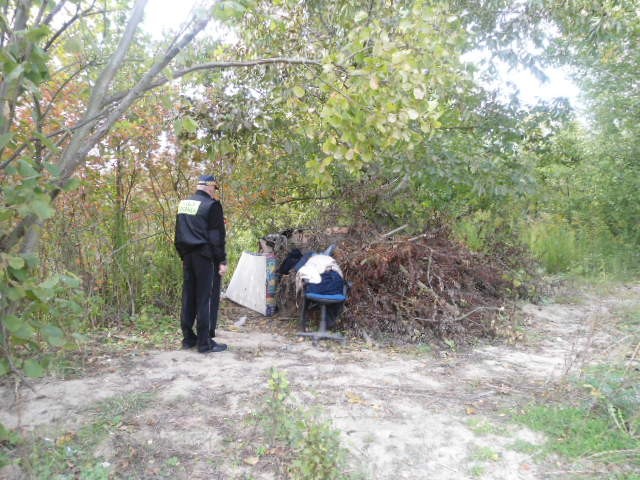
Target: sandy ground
[[402, 414]]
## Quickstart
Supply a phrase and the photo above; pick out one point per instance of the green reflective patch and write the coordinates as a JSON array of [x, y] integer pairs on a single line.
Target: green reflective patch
[[189, 207]]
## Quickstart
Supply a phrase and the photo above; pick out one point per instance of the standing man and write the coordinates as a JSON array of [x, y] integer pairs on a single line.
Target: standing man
[[200, 242]]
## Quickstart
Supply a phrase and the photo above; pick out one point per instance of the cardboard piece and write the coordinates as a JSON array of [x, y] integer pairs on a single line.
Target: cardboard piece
[[254, 282]]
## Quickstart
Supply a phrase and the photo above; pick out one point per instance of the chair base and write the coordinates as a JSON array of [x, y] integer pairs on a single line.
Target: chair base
[[322, 332]]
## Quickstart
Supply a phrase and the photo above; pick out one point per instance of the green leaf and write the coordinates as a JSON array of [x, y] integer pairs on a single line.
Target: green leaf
[[80, 338], [53, 335], [38, 33], [71, 184], [298, 91], [5, 139], [70, 280], [73, 45], [15, 293], [32, 368], [23, 330], [360, 16], [4, 369], [31, 260], [16, 262], [15, 73], [189, 125], [53, 169], [329, 145], [26, 169], [12, 323], [42, 209], [41, 294], [18, 327], [50, 282], [177, 126]]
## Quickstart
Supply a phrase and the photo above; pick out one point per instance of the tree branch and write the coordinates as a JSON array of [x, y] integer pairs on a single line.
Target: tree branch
[[78, 143], [301, 199], [220, 65], [78, 15]]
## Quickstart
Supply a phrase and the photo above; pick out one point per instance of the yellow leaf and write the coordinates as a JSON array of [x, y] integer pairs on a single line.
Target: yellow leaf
[[64, 439], [251, 460]]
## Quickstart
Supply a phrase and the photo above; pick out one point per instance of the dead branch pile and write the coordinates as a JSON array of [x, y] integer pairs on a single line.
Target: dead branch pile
[[414, 289]]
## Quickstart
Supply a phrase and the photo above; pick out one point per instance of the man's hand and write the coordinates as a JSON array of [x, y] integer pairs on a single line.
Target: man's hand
[[222, 269]]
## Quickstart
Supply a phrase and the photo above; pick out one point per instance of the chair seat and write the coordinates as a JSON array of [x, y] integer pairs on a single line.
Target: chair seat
[[316, 297]]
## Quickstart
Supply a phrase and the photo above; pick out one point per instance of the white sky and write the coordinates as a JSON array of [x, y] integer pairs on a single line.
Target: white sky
[[531, 89], [161, 15]]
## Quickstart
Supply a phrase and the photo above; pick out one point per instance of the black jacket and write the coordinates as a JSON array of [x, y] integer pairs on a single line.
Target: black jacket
[[200, 226]]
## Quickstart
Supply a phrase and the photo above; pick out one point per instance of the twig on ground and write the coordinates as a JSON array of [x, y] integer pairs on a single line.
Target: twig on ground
[[629, 452], [399, 229]]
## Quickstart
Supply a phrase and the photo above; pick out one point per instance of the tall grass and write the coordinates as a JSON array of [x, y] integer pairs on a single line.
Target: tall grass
[[586, 250]]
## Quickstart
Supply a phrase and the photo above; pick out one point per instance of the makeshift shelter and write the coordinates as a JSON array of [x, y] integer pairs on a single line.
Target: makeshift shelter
[[254, 283]]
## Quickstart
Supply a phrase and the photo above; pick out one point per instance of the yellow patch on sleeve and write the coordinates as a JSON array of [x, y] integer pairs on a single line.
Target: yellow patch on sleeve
[[188, 207]]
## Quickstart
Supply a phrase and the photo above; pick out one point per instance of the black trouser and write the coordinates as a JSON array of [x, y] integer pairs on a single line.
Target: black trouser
[[197, 271], [215, 300]]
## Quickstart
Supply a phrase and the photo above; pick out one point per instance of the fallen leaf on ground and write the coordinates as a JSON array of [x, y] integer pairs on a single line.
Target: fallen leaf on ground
[[354, 398]]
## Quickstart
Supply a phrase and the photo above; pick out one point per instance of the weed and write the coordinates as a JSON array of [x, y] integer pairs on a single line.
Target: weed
[[477, 471], [485, 454], [523, 446], [451, 344], [9, 440], [423, 349], [113, 409], [262, 450], [154, 326], [315, 444], [481, 426], [630, 318]]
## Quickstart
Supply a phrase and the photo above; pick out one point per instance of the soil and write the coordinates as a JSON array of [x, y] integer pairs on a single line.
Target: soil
[[403, 413]]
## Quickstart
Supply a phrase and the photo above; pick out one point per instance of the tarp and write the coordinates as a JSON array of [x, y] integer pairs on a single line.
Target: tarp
[[254, 282]]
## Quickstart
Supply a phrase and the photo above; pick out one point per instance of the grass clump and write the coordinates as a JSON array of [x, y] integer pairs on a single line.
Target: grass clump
[[62, 455], [576, 432]]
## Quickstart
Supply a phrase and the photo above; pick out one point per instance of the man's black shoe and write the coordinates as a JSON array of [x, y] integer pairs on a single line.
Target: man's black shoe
[[213, 348], [187, 344]]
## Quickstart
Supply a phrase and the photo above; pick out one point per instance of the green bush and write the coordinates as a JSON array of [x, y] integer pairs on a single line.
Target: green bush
[[35, 315]]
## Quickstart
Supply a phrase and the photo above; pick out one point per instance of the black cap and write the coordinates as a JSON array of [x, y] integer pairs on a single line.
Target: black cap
[[206, 180]]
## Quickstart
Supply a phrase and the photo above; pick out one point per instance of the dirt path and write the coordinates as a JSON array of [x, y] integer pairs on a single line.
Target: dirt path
[[402, 415]]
